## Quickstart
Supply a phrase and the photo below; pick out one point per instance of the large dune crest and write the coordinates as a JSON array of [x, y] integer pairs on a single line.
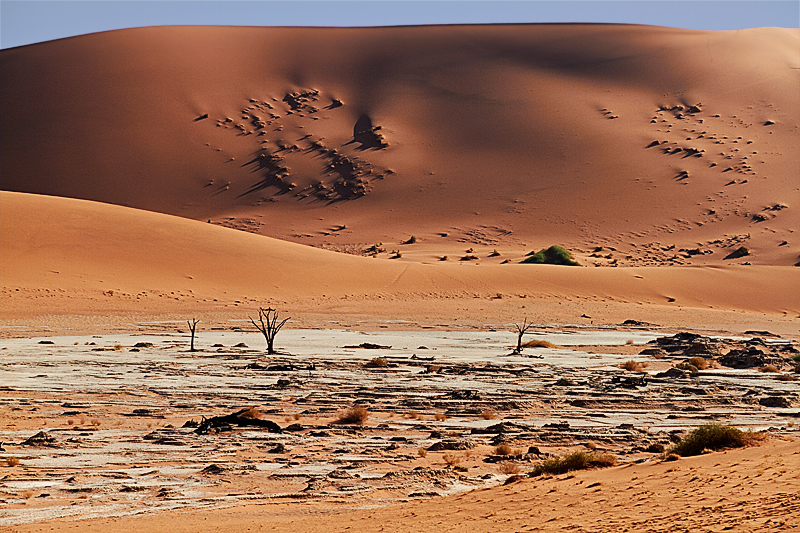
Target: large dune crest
[[633, 137]]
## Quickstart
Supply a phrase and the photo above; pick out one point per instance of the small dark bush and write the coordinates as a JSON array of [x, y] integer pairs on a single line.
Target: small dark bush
[[715, 437], [555, 255], [573, 461], [687, 367]]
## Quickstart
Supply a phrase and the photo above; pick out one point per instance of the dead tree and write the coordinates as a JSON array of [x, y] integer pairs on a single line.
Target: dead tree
[[521, 330], [192, 327], [269, 326]]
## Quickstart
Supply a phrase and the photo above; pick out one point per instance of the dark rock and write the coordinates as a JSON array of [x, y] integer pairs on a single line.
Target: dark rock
[[143, 345], [775, 401], [294, 428], [748, 358], [213, 469], [280, 448], [40, 439], [656, 447], [737, 253], [653, 352], [368, 346], [465, 395], [340, 473], [672, 373], [701, 348], [452, 444], [564, 382]]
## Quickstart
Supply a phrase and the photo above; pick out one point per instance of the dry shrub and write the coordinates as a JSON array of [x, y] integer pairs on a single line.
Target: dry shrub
[[27, 494], [591, 445], [489, 414], [699, 363], [785, 377], [715, 437], [70, 422], [376, 362], [769, 368], [451, 459], [12, 461], [297, 416], [118, 347], [509, 468], [512, 479], [356, 415], [633, 366], [503, 449], [629, 342], [440, 417], [250, 412], [413, 415], [687, 367], [422, 452], [573, 461], [538, 344]]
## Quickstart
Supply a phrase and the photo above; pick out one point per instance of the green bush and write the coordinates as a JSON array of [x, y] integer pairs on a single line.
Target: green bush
[[555, 255], [715, 436], [573, 461]]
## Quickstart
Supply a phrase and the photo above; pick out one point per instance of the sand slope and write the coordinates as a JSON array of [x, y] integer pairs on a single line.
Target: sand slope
[[512, 137], [753, 489], [64, 256]]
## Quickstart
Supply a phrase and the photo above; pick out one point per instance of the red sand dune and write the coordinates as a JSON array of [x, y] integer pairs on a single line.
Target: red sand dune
[[519, 136], [474, 139]]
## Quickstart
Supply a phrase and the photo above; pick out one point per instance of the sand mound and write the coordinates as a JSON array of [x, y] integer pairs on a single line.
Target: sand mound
[[64, 256], [651, 141]]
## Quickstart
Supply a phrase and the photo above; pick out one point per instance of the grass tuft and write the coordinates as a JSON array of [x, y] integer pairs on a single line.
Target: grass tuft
[[573, 461], [502, 449], [538, 344], [699, 363], [633, 366], [12, 461], [715, 437], [376, 362], [356, 415], [509, 468], [489, 414], [687, 367]]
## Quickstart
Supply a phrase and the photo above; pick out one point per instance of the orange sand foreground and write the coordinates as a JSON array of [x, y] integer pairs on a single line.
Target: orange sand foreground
[[754, 489]]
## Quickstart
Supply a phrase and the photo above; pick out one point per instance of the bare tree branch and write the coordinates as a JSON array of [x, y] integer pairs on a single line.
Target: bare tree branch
[[269, 326], [192, 326], [521, 330]]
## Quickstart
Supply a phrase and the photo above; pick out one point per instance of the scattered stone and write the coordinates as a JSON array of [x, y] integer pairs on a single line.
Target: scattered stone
[[452, 444], [41, 439], [737, 253], [213, 469], [775, 401]]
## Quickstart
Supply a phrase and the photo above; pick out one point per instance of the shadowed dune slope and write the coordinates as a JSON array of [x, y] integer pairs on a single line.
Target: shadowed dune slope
[[86, 250], [530, 133]]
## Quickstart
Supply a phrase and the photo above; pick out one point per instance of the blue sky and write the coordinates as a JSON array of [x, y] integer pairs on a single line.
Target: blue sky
[[30, 21]]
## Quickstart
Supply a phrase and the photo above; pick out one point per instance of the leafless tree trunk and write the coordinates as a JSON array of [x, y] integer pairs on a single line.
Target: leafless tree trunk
[[521, 330], [269, 326], [192, 327]]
